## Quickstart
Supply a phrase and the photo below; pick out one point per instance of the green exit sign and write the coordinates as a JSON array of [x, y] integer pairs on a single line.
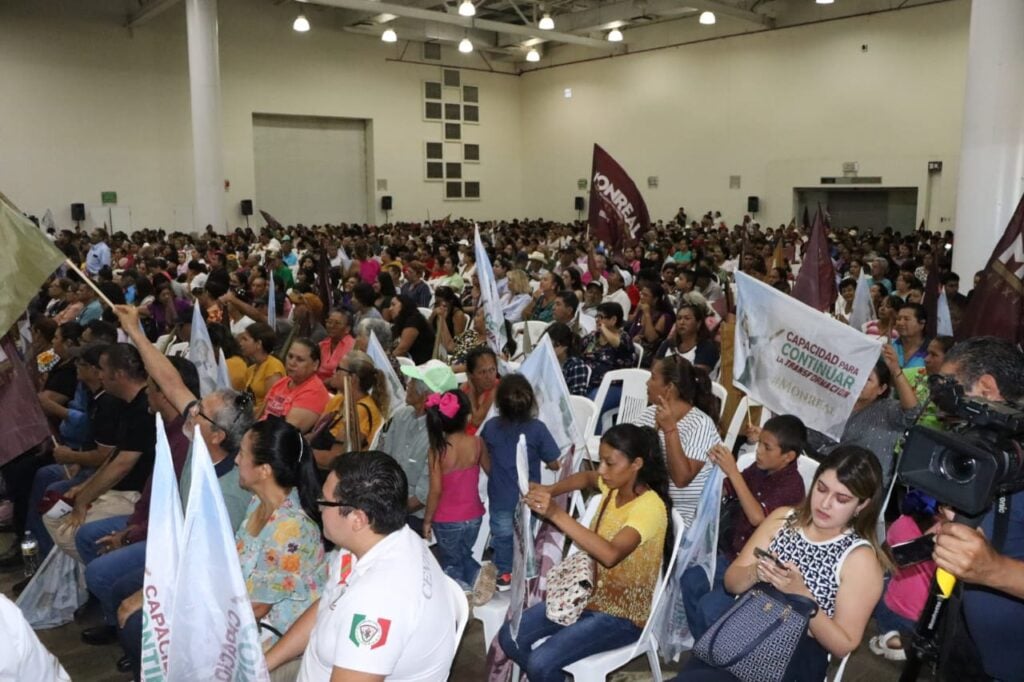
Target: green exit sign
[[108, 197]]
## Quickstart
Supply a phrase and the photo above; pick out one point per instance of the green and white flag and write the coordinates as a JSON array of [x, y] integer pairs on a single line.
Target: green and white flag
[[795, 360], [27, 258], [494, 319]]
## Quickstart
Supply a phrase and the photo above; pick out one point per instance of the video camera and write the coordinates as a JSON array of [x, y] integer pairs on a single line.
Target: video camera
[[969, 466]]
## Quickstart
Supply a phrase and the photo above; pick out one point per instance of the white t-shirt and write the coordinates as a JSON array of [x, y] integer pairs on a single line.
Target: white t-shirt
[[24, 657], [698, 434], [241, 324], [386, 614]]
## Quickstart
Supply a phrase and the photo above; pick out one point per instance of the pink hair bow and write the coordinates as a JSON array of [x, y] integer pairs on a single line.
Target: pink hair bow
[[447, 403]]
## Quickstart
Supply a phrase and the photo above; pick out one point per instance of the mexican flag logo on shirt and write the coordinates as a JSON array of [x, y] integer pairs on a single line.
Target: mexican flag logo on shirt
[[371, 633]]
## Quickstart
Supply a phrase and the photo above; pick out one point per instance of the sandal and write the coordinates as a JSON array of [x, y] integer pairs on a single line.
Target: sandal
[[880, 646]]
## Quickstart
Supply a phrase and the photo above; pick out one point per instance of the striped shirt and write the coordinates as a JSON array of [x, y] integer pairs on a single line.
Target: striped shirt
[[698, 434]]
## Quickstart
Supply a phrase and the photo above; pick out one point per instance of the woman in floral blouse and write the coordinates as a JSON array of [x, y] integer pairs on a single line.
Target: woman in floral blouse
[[279, 543]]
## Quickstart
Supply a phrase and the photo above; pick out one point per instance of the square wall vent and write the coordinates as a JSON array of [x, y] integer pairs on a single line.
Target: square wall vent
[[432, 51]]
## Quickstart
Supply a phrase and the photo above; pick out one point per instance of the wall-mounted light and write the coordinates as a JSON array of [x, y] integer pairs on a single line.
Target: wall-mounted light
[[389, 36], [707, 18], [301, 24]]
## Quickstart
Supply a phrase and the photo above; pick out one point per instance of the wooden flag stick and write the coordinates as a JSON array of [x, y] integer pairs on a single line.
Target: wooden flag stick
[[85, 278], [750, 421]]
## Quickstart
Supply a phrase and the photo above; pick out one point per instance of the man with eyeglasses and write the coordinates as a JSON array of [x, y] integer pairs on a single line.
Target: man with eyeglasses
[[385, 613]]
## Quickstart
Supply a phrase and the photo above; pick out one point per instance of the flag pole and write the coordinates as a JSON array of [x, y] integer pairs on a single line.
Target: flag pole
[[92, 285]]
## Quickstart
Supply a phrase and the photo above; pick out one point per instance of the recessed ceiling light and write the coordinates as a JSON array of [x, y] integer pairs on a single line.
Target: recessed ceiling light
[[615, 35]]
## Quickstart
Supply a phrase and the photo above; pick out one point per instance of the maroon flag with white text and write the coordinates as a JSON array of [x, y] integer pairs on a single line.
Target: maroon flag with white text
[[617, 210], [816, 283], [996, 306]]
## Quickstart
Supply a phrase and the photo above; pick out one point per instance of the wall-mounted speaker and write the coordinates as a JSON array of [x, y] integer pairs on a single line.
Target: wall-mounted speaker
[[77, 212], [386, 204], [246, 206], [753, 204], [578, 204]]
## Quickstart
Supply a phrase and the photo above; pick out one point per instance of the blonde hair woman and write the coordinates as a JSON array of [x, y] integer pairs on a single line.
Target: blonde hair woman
[[518, 297], [368, 387]]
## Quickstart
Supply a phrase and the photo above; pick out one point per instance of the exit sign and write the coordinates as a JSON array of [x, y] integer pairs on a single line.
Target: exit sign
[[108, 197]]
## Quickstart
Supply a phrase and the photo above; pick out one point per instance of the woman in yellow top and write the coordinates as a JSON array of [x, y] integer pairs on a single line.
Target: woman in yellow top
[[224, 343], [257, 344], [368, 387], [629, 541]]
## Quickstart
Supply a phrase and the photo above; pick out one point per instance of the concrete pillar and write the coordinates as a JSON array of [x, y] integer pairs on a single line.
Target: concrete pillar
[[207, 133]]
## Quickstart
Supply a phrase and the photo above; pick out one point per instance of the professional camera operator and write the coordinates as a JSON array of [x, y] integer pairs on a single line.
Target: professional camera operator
[[993, 602]]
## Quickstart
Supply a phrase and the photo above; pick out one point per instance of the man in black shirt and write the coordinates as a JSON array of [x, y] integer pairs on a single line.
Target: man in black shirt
[[116, 485]]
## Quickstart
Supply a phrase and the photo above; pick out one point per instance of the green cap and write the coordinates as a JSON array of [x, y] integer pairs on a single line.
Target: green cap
[[435, 374]]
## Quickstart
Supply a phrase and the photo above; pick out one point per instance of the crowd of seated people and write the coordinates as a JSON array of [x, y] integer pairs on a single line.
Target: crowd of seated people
[[308, 391]]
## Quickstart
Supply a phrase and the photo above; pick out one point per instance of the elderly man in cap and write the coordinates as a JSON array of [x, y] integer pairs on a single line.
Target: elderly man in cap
[[404, 436]]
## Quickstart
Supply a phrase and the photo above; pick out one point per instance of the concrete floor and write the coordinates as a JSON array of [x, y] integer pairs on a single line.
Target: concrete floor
[[97, 664]]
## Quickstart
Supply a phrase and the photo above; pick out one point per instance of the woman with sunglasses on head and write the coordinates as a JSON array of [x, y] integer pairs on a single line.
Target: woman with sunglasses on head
[[279, 543], [825, 549], [368, 388]]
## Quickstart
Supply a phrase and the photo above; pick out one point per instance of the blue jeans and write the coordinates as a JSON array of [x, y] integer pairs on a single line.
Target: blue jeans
[[49, 477], [593, 633], [887, 621], [130, 635], [502, 539], [455, 540], [704, 604], [89, 533]]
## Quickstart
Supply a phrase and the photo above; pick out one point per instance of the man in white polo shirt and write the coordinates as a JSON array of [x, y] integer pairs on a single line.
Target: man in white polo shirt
[[385, 613]]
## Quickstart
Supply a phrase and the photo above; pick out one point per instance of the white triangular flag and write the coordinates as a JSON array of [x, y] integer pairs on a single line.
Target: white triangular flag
[[201, 354]]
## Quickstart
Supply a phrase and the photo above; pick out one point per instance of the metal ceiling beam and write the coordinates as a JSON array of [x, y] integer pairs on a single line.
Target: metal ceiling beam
[[372, 7], [149, 11], [599, 17]]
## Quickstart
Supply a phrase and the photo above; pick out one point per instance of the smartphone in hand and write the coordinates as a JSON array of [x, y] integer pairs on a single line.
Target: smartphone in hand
[[765, 554]]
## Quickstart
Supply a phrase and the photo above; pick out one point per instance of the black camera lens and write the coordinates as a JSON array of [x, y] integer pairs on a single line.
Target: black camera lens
[[958, 467]]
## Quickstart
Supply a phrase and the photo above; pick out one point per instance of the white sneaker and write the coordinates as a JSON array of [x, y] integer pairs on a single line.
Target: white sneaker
[[485, 584]]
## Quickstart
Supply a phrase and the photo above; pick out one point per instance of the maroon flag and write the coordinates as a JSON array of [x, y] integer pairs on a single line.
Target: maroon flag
[[271, 221], [997, 303], [617, 211], [816, 283]]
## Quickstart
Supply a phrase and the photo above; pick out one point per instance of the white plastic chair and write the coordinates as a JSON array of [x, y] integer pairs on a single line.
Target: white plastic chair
[[722, 394], [736, 425], [639, 354], [426, 312], [807, 466], [461, 604], [631, 403], [583, 409], [597, 667]]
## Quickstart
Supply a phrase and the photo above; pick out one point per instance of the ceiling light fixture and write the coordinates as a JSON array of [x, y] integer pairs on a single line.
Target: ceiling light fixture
[[707, 18], [615, 36], [465, 46], [546, 23], [467, 8], [824, 2], [533, 55], [389, 36], [301, 24]]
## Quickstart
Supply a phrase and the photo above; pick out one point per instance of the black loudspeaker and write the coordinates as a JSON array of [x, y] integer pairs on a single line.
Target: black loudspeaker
[[753, 204], [77, 212], [386, 203], [578, 204], [246, 206]]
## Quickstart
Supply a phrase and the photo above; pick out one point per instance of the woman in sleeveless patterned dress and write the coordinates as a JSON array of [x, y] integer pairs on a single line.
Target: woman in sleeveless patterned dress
[[831, 552]]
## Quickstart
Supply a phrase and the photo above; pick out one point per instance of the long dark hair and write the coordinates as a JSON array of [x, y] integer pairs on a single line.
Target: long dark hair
[[279, 444], [562, 335], [439, 425], [641, 442], [692, 384]]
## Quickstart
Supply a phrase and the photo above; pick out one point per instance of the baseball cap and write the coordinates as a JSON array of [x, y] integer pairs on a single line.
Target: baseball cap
[[627, 276], [435, 374]]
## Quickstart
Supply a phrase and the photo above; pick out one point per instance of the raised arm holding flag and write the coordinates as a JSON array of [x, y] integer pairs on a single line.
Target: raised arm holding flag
[[617, 209]]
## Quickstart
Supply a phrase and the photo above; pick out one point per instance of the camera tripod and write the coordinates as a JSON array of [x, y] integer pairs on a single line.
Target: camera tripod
[[924, 643]]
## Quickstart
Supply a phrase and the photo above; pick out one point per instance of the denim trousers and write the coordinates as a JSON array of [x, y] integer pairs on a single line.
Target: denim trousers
[[705, 603], [593, 633], [455, 540], [888, 621], [502, 538], [49, 477], [102, 571], [130, 635]]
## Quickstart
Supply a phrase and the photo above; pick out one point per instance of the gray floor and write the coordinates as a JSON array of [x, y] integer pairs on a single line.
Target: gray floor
[[96, 664]]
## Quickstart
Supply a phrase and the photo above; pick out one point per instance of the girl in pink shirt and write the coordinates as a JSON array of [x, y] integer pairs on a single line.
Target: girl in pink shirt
[[454, 510]]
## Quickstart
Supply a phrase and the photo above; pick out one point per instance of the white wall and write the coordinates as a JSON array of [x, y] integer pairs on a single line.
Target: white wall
[[89, 106], [781, 109]]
